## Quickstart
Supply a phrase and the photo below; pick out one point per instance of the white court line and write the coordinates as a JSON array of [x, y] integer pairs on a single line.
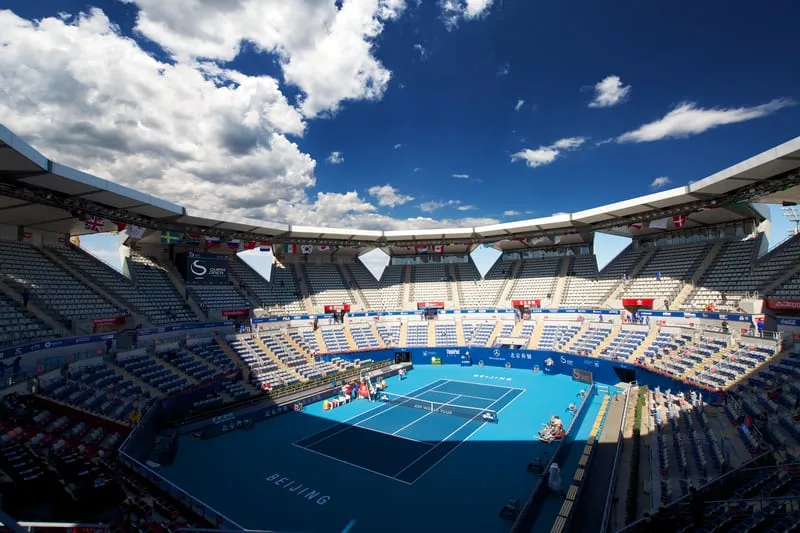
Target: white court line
[[466, 439], [479, 384], [425, 415], [350, 464], [459, 428], [348, 426], [391, 435], [464, 396]]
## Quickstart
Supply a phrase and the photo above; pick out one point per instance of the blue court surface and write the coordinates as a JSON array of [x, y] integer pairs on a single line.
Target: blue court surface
[[380, 467]]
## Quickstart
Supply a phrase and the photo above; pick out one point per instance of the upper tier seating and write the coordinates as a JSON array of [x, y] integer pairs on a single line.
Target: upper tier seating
[[383, 295], [788, 289], [161, 304], [430, 283], [611, 276], [477, 293], [282, 290], [216, 297], [676, 264], [536, 279], [153, 278], [733, 263], [580, 283], [326, 284], [18, 326], [59, 291]]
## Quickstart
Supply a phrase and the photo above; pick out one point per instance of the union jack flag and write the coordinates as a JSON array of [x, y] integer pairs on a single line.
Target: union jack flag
[[94, 223]]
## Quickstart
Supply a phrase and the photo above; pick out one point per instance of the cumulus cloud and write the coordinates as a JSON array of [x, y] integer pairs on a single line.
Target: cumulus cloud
[[461, 176], [455, 11], [423, 53], [687, 119], [417, 169], [388, 196], [435, 205], [519, 105], [544, 155], [398, 146], [660, 182], [511, 213], [609, 92], [189, 129], [336, 158]]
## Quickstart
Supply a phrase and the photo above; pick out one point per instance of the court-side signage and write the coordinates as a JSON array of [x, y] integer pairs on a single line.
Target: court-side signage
[[298, 489], [53, 344]]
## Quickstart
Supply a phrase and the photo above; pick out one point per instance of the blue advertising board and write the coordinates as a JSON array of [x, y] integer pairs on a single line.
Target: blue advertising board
[[54, 344]]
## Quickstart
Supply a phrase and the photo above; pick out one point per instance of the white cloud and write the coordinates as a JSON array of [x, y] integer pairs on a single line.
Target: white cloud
[[417, 169], [511, 213], [206, 136], [454, 11], [388, 196], [465, 207], [609, 92], [519, 105], [687, 119], [398, 146], [324, 50], [423, 53], [336, 158], [461, 176], [660, 182], [544, 155], [435, 205], [503, 69]]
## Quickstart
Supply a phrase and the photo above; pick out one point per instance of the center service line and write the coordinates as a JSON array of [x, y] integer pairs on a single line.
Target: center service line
[[350, 526]]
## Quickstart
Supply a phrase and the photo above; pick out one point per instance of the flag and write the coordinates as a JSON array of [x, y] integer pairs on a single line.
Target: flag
[[192, 239], [135, 232], [265, 246], [290, 249], [323, 248], [170, 237], [306, 249], [234, 244], [249, 245], [94, 223], [679, 220], [438, 249], [660, 223], [557, 239], [120, 225], [635, 226], [422, 249], [212, 242]]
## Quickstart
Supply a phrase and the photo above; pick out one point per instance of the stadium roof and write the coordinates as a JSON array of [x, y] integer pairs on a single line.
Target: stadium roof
[[38, 193]]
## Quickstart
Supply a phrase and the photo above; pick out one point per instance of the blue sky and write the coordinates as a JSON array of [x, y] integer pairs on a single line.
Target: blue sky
[[398, 113]]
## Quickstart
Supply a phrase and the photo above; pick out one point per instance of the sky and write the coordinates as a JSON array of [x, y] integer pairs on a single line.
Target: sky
[[392, 114]]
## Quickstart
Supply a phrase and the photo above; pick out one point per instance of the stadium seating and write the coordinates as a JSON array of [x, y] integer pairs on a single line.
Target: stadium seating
[[579, 288], [475, 292], [536, 279], [18, 326], [52, 287], [154, 280], [430, 283], [326, 285], [380, 295], [732, 263], [282, 293], [675, 265]]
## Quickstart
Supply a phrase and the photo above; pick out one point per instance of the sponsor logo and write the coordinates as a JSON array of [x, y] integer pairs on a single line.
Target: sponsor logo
[[496, 353], [198, 269], [298, 489], [453, 352]]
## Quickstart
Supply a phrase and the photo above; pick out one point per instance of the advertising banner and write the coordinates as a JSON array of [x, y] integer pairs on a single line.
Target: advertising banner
[[108, 321], [334, 308], [205, 268], [430, 305], [526, 303], [784, 305], [637, 302]]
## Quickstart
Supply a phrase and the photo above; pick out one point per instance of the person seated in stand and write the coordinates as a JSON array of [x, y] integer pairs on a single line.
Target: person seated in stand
[[572, 408]]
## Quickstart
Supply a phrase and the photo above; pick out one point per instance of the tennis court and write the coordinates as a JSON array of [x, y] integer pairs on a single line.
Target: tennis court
[[406, 439]]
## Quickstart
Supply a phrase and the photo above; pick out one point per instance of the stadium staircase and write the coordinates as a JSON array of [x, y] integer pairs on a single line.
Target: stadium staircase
[[299, 349], [615, 331], [408, 272], [632, 273], [356, 296], [403, 337], [583, 329], [648, 340], [708, 361], [769, 287], [180, 286], [77, 274], [460, 333], [323, 348], [432, 340], [455, 296], [504, 298], [517, 330], [302, 286], [277, 360], [377, 335], [536, 335], [498, 327], [35, 310], [222, 343], [241, 287], [561, 282], [705, 264], [348, 336]]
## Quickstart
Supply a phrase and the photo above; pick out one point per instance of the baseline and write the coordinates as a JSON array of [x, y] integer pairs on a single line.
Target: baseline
[[478, 384]]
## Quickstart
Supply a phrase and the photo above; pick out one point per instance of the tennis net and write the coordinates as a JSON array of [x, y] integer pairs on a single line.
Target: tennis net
[[477, 413]]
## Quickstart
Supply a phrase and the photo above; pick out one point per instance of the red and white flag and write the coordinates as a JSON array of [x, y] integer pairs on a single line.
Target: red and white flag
[[679, 220], [438, 248], [636, 226]]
